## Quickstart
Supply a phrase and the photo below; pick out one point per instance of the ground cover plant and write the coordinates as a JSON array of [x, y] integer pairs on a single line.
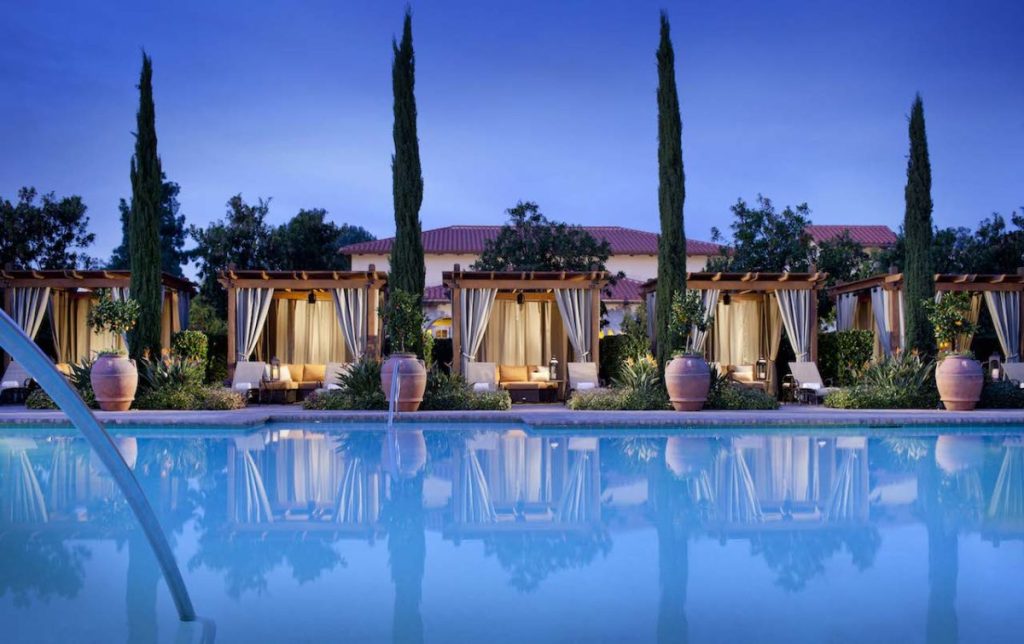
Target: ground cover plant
[[902, 381]]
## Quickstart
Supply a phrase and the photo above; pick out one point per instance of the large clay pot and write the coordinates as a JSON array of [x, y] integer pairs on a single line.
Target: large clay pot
[[114, 380], [959, 380], [687, 379], [412, 380]]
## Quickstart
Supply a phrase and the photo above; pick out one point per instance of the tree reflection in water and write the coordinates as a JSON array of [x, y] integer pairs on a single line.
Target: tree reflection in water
[[407, 550], [47, 567]]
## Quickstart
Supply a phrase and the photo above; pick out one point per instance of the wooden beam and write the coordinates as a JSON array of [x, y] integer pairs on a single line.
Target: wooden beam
[[232, 356]]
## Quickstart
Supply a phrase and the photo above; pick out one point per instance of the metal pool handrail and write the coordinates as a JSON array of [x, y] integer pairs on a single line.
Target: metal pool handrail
[[30, 356]]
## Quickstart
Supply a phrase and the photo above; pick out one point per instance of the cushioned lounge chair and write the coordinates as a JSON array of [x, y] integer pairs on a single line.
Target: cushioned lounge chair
[[14, 384], [482, 376], [333, 373], [1014, 372], [583, 375], [249, 378], [810, 387]]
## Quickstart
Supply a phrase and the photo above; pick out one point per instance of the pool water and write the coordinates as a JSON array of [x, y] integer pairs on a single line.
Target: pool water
[[500, 534]]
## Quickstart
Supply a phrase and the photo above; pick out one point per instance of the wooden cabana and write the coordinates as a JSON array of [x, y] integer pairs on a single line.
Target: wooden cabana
[[750, 311], [876, 304], [525, 318], [64, 297], [303, 316]]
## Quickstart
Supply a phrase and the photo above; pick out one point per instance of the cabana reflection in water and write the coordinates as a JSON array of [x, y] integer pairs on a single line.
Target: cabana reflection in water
[[599, 536]]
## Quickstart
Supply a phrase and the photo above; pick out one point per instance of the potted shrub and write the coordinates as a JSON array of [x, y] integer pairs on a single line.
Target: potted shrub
[[403, 325], [958, 376], [113, 376], [687, 377]]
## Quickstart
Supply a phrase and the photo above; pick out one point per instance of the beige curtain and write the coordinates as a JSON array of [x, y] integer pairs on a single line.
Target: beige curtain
[[574, 305], [475, 313], [350, 312], [698, 339], [251, 308], [518, 334], [846, 307], [307, 333], [795, 307], [772, 340], [29, 306], [737, 336], [62, 310], [1004, 307]]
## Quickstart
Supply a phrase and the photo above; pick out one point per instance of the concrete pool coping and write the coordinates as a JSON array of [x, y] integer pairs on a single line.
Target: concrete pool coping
[[534, 417]]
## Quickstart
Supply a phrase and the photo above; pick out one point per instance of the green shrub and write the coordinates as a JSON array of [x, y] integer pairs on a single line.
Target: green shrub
[[217, 360], [732, 396], [190, 345], [327, 399], [881, 397], [904, 370], [403, 321], [1001, 395], [114, 316], [613, 352], [39, 399], [220, 399], [612, 399], [170, 373], [499, 400], [190, 397], [450, 392], [844, 354]]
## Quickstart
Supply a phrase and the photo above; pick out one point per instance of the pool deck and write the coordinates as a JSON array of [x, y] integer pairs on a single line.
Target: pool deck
[[532, 416]]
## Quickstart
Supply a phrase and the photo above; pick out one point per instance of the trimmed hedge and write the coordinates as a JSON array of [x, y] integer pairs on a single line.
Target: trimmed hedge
[[843, 354]]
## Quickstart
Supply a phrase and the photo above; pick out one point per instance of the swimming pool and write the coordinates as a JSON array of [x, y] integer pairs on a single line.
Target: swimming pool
[[503, 534]]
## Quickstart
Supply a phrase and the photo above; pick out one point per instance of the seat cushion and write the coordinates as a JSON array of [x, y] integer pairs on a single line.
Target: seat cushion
[[278, 385], [525, 385], [513, 373], [294, 372], [313, 372]]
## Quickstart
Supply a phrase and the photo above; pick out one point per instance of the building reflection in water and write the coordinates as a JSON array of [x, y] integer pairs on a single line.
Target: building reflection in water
[[539, 502]]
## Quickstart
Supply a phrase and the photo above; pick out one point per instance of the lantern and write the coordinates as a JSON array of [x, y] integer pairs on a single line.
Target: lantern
[[761, 371], [995, 367], [275, 369], [553, 368]]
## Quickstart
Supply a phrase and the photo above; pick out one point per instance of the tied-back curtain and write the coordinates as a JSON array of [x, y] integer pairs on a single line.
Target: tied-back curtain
[[699, 338], [574, 304], [476, 312], [1004, 306], [251, 308], [880, 312], [184, 308], [795, 307], [846, 308], [773, 340], [350, 306], [902, 320], [29, 307]]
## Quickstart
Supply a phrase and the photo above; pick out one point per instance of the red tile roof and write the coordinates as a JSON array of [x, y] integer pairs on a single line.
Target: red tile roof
[[469, 240], [436, 294], [880, 236]]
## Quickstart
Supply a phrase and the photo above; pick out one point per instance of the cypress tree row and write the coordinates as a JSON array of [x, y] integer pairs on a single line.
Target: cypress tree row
[[408, 271], [144, 222], [918, 272], [671, 194]]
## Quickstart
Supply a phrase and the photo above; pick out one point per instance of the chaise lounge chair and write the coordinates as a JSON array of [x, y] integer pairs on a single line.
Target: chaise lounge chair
[[15, 383], [482, 376], [1014, 372], [583, 375], [249, 378], [810, 387]]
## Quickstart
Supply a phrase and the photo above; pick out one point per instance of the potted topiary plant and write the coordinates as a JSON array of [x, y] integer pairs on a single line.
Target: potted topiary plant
[[114, 377], [403, 325], [687, 376], [958, 376]]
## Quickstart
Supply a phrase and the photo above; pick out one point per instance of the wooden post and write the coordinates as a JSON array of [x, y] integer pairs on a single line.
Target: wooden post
[[232, 356], [595, 324], [1020, 271], [373, 343], [456, 328], [894, 320]]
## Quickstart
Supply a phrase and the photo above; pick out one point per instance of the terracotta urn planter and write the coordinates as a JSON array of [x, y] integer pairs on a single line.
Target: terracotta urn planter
[[412, 380], [959, 380], [687, 379], [114, 381]]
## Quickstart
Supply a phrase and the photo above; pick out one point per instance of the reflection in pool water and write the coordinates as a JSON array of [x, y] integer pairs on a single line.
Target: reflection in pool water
[[505, 535]]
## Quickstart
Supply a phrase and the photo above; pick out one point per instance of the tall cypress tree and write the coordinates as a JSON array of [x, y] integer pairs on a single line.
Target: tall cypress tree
[[671, 194], [408, 271], [144, 221], [918, 271]]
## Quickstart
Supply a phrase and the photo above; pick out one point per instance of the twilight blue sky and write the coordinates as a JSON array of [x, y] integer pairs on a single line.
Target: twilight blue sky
[[553, 102]]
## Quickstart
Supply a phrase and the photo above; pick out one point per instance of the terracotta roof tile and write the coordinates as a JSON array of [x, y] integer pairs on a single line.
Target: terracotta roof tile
[[881, 236], [625, 290], [470, 240]]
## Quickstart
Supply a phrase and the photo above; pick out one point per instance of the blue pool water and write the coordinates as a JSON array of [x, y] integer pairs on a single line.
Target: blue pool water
[[499, 534]]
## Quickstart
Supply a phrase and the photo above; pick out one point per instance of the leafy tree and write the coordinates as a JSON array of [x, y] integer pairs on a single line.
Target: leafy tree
[[241, 239], [49, 234], [995, 247], [532, 242], [408, 270], [172, 233], [671, 195], [918, 283], [765, 240], [844, 260], [308, 242], [144, 223]]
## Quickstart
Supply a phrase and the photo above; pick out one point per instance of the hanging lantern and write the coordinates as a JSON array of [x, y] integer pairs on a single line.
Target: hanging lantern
[[553, 368], [275, 369], [761, 371], [311, 298], [995, 367]]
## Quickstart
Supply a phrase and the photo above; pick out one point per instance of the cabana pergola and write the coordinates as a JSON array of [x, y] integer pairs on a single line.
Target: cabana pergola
[[303, 316], [749, 311], [65, 297], [876, 303], [509, 316]]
